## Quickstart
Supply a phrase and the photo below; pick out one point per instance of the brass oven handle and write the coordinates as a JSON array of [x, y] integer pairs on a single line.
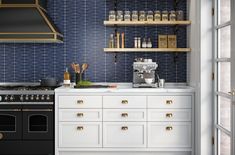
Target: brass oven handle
[[169, 128], [80, 101], [124, 114], [169, 102], [10, 110], [124, 101], [80, 128], [33, 110], [80, 114], [1, 136], [169, 115], [124, 128]]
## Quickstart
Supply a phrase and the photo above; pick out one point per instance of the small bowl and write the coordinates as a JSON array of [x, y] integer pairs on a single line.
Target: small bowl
[[148, 80]]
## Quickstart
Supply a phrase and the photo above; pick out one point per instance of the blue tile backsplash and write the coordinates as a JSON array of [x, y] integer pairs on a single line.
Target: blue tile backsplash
[[85, 36]]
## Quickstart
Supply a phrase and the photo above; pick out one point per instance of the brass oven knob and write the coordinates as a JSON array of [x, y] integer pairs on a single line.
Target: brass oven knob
[[1, 136]]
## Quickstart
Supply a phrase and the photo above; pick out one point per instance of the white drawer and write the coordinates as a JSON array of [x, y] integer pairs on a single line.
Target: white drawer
[[124, 115], [124, 134], [174, 134], [169, 115], [73, 134], [80, 115], [169, 102], [80, 102], [124, 102]]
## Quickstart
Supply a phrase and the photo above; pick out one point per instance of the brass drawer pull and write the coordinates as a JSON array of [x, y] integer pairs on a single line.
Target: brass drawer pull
[[169, 115], [169, 128], [80, 128], [124, 101], [124, 128], [80, 102], [169, 101], [124, 114], [80, 114]]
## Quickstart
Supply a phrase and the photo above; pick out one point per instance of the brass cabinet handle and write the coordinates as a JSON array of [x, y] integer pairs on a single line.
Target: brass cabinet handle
[[124, 128], [124, 114], [169, 101], [80, 102], [80, 128], [1, 136], [169, 128], [80, 114], [124, 101], [169, 115]]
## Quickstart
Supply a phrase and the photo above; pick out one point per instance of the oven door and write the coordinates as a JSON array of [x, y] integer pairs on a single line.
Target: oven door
[[38, 122], [10, 122]]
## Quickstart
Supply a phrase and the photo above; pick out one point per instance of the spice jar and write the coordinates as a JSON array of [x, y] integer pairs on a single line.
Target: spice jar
[[157, 15], [127, 16], [134, 16], [112, 16], [142, 16], [119, 15], [150, 16], [165, 16], [172, 16], [179, 15]]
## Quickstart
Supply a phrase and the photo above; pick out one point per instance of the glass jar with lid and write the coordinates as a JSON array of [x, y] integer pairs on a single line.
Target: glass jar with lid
[[127, 16], [112, 15], [142, 16], [165, 16], [119, 15], [150, 16], [135, 16], [157, 15], [180, 15], [172, 15]]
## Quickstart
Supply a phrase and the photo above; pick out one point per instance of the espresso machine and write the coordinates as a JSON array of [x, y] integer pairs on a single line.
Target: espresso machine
[[144, 73]]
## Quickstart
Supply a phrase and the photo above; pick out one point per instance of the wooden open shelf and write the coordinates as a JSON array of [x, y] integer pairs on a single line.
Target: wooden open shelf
[[147, 50], [145, 23]]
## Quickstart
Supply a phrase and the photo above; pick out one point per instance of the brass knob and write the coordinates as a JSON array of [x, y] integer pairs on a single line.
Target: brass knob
[[124, 101], [169, 115], [1, 136], [80, 128], [124, 128], [169, 128], [124, 114], [169, 101], [79, 101], [80, 114]]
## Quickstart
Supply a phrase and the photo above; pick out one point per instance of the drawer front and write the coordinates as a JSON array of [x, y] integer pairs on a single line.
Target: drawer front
[[169, 102], [80, 115], [124, 102], [124, 115], [169, 115], [177, 134], [124, 134], [80, 101], [80, 134]]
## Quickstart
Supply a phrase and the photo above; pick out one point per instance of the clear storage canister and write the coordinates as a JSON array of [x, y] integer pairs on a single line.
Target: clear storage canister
[[135, 16], [112, 15], [142, 16], [180, 15], [150, 16], [157, 15], [127, 16], [119, 15], [165, 16], [172, 16]]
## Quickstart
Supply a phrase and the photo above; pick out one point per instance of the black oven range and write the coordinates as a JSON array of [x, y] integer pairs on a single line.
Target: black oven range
[[26, 119]]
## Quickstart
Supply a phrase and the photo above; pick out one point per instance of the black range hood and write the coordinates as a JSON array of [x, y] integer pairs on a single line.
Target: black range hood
[[26, 21]]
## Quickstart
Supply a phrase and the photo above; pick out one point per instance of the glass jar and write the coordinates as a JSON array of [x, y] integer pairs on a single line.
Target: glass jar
[[172, 16], [134, 16], [142, 16], [112, 15], [119, 15], [157, 15], [165, 16], [150, 16], [127, 16], [180, 15]]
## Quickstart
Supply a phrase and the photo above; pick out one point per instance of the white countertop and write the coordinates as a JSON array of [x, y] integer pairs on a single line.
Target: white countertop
[[127, 88]]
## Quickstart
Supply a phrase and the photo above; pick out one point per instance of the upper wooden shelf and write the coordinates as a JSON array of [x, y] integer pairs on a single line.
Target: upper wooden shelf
[[147, 50], [145, 23]]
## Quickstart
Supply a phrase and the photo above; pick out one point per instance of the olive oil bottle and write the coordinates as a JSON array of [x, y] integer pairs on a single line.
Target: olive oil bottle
[[66, 78]]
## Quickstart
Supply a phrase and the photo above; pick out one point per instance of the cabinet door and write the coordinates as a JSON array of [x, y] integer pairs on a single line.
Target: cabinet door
[[173, 134], [124, 134], [72, 134]]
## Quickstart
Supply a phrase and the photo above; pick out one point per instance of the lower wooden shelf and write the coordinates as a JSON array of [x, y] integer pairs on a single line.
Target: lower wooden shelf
[[147, 50]]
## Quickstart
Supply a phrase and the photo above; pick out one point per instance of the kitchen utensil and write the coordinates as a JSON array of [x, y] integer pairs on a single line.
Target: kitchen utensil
[[49, 82]]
